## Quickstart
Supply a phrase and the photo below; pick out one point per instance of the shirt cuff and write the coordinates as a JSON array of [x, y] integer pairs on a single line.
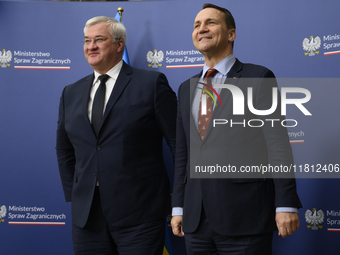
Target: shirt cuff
[[177, 211], [286, 209]]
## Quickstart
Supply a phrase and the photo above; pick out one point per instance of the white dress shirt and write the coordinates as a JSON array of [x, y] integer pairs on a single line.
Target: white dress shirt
[[110, 83]]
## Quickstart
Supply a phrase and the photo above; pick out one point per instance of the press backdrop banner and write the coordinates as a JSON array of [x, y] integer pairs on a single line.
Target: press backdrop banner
[[41, 53]]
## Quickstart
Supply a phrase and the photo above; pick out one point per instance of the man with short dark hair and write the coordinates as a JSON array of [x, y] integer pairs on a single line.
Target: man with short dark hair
[[232, 215]]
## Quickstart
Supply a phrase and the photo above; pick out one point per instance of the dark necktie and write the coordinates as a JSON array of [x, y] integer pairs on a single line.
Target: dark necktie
[[98, 103], [204, 120]]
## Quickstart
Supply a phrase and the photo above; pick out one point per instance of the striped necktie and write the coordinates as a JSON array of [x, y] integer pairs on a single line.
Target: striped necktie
[[204, 119]]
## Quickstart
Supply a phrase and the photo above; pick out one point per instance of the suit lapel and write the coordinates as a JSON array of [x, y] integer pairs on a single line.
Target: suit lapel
[[193, 88], [235, 71], [193, 85], [123, 79], [85, 99], [232, 78]]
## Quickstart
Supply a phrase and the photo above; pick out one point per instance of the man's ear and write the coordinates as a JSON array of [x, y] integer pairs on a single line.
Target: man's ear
[[120, 45], [231, 35]]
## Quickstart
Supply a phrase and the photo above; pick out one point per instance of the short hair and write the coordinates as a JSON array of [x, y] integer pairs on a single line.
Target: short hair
[[117, 30], [229, 19]]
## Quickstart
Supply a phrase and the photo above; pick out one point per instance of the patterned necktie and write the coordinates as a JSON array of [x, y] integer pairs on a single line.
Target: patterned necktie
[[98, 103], [204, 120]]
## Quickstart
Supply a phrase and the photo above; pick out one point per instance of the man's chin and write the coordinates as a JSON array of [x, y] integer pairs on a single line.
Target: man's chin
[[203, 49], [94, 63]]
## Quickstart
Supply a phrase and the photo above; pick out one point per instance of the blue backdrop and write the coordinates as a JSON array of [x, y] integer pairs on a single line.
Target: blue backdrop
[[44, 41]]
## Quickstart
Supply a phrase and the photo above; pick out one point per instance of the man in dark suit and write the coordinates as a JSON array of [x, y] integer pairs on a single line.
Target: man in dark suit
[[109, 147], [229, 213]]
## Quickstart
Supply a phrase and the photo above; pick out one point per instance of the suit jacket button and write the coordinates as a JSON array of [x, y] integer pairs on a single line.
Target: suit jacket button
[[95, 174], [98, 148], [203, 147]]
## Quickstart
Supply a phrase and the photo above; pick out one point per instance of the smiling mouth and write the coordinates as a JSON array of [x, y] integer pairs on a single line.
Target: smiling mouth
[[204, 38]]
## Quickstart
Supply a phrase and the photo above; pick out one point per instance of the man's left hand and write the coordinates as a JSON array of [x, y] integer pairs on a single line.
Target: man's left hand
[[287, 223]]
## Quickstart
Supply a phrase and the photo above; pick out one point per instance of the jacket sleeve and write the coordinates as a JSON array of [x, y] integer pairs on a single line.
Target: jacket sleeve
[[65, 153], [181, 159], [278, 144], [165, 107]]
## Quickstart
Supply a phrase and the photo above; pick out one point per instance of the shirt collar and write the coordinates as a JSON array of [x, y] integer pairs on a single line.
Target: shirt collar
[[223, 66], [113, 72]]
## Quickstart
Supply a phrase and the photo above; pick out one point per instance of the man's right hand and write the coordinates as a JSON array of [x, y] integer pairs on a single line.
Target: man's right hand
[[176, 224]]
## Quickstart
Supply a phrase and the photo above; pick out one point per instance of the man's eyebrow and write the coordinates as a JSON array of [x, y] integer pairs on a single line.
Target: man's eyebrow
[[206, 20], [95, 36]]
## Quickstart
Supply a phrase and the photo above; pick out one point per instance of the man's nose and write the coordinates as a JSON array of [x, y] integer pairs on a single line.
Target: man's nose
[[202, 28], [92, 45]]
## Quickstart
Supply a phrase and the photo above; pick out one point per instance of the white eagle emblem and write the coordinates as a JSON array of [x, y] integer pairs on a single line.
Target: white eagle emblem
[[314, 218], [3, 211], [5, 57], [155, 58], [311, 45]]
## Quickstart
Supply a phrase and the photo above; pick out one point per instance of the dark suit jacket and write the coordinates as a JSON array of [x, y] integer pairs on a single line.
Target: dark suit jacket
[[233, 205], [127, 157]]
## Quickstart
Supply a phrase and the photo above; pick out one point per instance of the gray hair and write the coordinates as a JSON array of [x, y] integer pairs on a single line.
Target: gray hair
[[117, 30]]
